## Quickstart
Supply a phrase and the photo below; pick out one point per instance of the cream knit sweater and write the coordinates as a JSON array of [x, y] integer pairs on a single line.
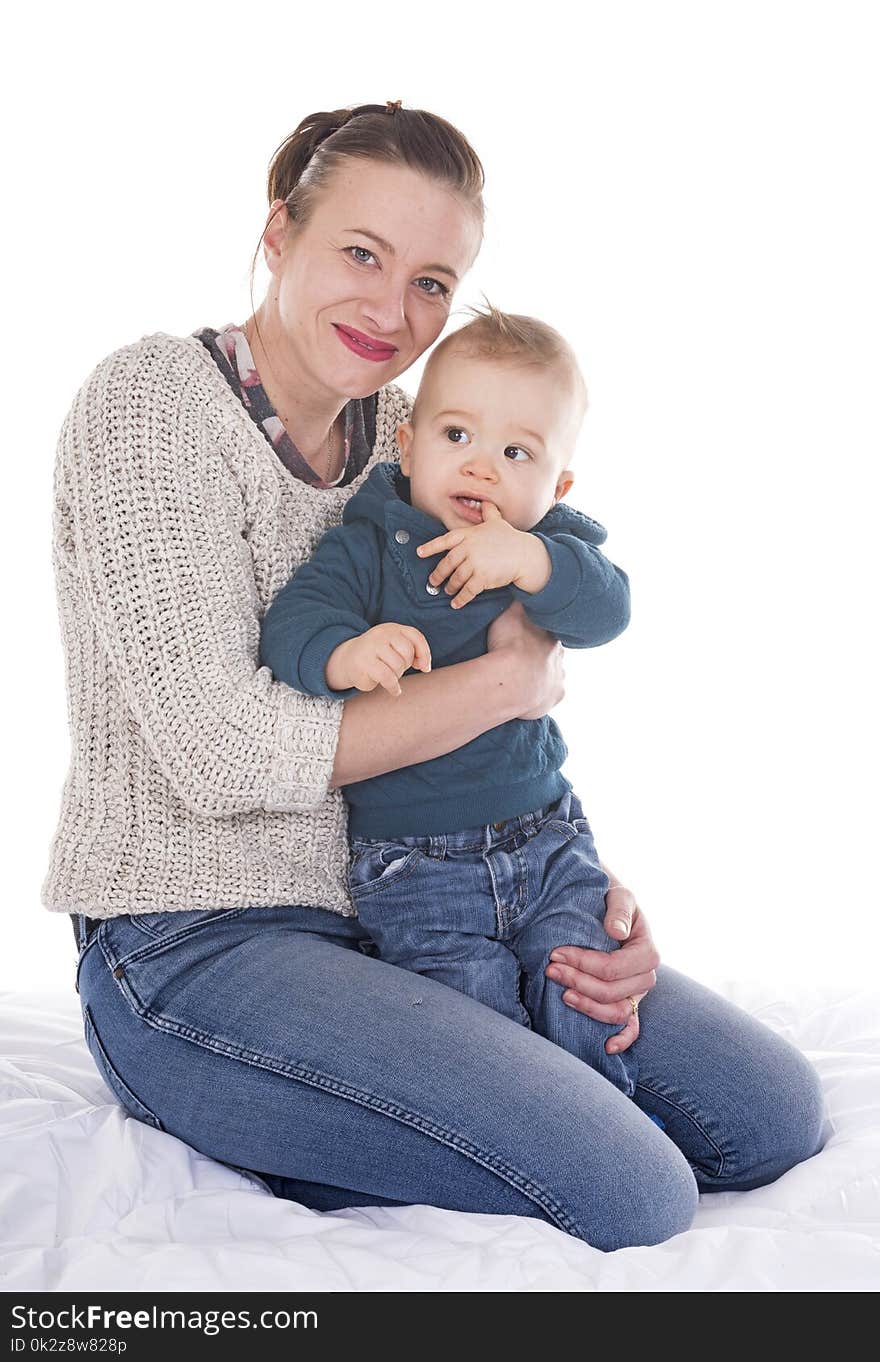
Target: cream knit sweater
[[196, 781]]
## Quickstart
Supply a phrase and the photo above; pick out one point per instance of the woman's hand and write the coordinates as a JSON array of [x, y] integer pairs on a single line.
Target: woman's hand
[[534, 660], [600, 984]]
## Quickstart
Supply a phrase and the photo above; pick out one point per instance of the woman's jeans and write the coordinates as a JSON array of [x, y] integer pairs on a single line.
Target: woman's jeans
[[481, 910], [272, 1039]]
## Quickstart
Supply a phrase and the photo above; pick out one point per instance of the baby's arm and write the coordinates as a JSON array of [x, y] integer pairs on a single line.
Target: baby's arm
[[316, 635], [325, 603], [585, 600], [566, 585]]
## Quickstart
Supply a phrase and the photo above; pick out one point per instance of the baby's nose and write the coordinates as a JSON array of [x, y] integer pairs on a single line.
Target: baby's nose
[[481, 467]]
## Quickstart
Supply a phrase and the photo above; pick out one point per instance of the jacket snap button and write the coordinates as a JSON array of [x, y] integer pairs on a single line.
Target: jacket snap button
[[402, 536], [432, 590]]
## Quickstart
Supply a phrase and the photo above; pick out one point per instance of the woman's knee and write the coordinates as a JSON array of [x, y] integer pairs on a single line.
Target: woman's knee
[[782, 1125], [795, 1117], [649, 1194]]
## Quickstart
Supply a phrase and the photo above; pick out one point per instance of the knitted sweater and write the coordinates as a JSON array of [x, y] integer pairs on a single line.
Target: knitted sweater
[[196, 780]]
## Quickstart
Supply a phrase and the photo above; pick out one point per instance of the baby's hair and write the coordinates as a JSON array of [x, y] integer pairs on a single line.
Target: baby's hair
[[510, 336]]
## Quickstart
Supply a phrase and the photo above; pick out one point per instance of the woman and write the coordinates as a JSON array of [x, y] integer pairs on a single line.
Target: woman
[[229, 995]]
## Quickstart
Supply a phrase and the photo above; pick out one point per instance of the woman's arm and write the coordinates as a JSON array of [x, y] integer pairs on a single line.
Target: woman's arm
[[148, 539], [436, 713], [520, 676]]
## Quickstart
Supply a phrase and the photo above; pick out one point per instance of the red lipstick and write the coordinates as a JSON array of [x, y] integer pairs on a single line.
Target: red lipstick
[[365, 346]]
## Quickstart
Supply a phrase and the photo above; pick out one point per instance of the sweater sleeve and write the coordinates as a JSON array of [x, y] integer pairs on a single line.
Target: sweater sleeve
[[331, 598], [155, 530], [586, 600]]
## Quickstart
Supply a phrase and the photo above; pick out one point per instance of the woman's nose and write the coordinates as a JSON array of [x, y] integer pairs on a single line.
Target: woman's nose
[[386, 309]]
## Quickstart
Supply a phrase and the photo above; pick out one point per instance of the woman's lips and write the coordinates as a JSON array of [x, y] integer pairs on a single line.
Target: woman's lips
[[377, 354]]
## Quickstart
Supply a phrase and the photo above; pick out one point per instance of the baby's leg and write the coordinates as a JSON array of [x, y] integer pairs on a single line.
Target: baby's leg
[[436, 918], [567, 887]]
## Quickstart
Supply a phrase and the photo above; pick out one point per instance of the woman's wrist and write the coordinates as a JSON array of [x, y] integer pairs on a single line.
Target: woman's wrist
[[505, 693]]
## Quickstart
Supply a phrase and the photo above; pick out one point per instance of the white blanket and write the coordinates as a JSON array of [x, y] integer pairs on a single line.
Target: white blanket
[[92, 1199]]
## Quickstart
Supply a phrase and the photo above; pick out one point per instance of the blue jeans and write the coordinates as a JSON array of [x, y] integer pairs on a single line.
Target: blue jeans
[[480, 910], [271, 1039]]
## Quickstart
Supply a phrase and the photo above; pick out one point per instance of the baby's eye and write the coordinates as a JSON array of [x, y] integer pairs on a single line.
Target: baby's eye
[[520, 449], [451, 431]]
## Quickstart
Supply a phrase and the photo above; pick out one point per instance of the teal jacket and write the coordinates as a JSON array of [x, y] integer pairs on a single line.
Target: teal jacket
[[365, 572]]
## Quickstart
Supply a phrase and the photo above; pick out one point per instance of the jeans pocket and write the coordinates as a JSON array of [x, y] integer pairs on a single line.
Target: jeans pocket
[[117, 1085], [167, 926], [374, 865]]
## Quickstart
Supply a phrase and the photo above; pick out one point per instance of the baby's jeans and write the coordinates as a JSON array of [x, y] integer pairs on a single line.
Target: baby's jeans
[[480, 910]]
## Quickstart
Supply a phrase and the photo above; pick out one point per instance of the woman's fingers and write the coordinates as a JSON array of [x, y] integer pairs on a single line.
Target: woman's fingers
[[621, 1040], [604, 1001], [611, 968]]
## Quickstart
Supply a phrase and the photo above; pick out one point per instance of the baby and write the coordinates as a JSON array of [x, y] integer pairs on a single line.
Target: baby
[[472, 867]]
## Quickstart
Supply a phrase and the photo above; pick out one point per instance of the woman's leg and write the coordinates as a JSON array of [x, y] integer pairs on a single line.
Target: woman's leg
[[742, 1104], [266, 1038]]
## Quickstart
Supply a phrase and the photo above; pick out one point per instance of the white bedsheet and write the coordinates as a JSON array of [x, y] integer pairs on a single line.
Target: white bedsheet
[[91, 1199]]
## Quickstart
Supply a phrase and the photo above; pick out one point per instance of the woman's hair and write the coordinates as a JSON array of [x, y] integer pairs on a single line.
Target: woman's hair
[[307, 160], [509, 336]]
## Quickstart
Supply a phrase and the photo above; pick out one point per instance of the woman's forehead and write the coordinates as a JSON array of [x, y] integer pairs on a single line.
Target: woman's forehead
[[403, 211]]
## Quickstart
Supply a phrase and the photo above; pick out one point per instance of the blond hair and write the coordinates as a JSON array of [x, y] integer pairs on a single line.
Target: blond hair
[[509, 336]]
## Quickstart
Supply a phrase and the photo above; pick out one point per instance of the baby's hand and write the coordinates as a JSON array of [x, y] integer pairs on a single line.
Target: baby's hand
[[377, 658], [479, 557]]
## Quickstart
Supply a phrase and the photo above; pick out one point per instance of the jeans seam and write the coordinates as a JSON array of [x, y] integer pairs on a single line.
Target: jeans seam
[[482, 1158], [693, 1121], [156, 945]]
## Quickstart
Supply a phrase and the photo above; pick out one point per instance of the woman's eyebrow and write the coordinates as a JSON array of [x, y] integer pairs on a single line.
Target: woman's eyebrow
[[386, 246]]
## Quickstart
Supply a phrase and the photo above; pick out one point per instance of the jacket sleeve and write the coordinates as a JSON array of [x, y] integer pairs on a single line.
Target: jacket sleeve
[[586, 601], [328, 600], [153, 527]]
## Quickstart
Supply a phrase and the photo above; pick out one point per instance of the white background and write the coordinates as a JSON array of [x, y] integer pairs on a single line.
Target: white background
[[689, 192]]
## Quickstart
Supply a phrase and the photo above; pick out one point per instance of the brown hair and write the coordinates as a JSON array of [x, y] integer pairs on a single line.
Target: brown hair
[[306, 161], [510, 336]]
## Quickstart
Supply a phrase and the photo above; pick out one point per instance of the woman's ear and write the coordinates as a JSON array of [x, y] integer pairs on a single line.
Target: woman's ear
[[404, 436], [275, 234]]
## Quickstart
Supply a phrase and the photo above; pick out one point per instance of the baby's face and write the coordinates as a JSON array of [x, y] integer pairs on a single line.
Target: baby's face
[[491, 431]]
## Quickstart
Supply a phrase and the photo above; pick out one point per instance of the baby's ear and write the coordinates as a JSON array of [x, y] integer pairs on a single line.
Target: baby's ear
[[564, 484], [404, 436]]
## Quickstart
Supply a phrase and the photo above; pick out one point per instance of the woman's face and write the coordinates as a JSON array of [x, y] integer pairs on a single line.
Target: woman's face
[[335, 276]]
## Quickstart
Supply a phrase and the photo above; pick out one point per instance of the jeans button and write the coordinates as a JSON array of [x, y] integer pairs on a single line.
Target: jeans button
[[497, 826]]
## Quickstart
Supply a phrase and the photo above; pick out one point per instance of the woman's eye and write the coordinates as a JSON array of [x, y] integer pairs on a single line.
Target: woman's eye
[[520, 450], [450, 431], [437, 290], [441, 290]]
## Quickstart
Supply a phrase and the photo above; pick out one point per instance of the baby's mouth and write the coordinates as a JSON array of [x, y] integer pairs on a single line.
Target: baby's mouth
[[469, 507]]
